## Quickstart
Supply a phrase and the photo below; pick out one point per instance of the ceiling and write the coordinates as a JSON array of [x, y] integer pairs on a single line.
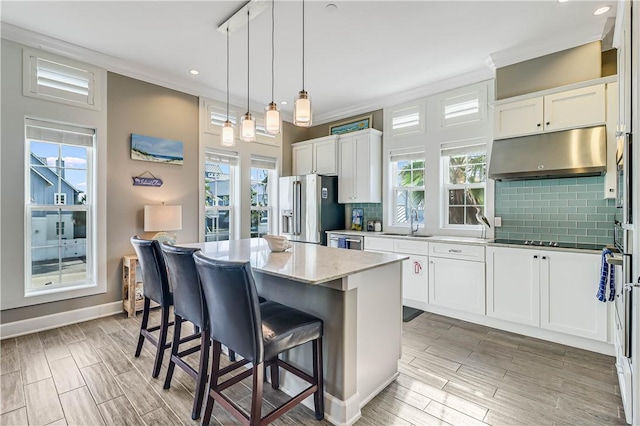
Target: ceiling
[[359, 56]]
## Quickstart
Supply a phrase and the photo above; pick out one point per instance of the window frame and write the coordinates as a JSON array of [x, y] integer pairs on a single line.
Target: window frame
[[447, 151], [394, 158], [91, 274], [233, 159], [272, 173]]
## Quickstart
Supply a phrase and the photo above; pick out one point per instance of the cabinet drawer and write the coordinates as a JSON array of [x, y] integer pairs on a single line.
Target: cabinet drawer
[[457, 251], [411, 247], [379, 244]]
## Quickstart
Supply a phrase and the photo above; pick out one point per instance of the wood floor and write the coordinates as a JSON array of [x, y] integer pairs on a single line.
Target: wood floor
[[452, 372]]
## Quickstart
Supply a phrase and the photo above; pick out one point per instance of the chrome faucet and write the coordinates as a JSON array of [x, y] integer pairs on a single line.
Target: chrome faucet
[[413, 217]]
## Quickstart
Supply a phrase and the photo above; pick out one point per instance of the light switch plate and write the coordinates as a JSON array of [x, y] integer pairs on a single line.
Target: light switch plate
[[497, 222]]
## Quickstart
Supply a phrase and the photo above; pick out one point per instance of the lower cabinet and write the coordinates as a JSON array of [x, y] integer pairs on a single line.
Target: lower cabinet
[[552, 290], [457, 284], [414, 281]]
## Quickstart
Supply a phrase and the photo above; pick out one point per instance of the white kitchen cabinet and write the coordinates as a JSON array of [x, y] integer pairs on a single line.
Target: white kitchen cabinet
[[611, 176], [568, 287], [513, 285], [360, 167], [457, 276], [415, 270], [315, 156], [568, 109], [549, 289]]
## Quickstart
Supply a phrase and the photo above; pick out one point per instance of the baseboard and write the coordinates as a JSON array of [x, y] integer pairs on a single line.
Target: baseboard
[[47, 322]]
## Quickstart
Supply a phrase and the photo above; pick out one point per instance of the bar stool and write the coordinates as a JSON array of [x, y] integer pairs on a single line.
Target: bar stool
[[257, 332], [188, 306], [156, 288]]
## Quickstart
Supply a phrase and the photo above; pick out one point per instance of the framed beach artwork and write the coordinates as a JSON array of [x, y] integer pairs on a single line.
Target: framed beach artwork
[[352, 125], [158, 150]]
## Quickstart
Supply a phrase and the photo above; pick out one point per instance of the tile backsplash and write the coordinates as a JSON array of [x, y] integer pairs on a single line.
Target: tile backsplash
[[372, 211], [567, 210]]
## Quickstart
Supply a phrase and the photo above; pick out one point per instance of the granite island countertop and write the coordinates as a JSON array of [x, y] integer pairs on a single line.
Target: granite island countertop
[[303, 262]]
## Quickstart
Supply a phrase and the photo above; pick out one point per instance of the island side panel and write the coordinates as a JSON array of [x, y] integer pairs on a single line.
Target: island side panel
[[379, 327], [327, 304]]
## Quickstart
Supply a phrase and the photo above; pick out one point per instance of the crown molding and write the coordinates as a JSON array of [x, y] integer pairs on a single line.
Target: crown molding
[[475, 76], [524, 52]]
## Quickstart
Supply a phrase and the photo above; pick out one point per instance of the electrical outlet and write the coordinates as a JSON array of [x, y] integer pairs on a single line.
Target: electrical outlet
[[497, 222]]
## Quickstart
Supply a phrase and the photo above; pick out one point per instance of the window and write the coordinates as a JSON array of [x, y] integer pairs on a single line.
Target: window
[[406, 119], [63, 80], [219, 183], [463, 106], [60, 199], [263, 178], [465, 175], [407, 174]]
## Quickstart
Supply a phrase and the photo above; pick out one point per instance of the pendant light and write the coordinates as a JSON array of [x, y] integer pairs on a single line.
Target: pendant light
[[271, 113], [248, 122], [228, 138], [302, 103]]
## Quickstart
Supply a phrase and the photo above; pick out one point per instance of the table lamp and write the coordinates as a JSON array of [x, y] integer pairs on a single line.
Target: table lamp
[[161, 219]]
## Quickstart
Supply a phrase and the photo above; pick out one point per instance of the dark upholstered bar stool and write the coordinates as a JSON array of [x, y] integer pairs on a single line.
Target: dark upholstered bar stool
[[258, 332], [187, 306], [156, 288]]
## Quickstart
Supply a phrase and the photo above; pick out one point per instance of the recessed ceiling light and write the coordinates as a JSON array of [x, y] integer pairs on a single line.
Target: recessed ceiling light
[[331, 7], [283, 102], [562, 1], [194, 72], [602, 10]]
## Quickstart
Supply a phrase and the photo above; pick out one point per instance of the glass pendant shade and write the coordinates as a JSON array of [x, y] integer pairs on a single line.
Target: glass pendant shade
[[302, 110], [272, 119], [248, 131], [228, 138]]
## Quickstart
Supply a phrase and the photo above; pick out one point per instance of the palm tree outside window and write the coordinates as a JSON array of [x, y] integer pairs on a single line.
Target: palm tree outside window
[[407, 171]]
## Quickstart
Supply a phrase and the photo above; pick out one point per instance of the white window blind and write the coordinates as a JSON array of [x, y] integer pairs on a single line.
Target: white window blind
[[406, 118], [228, 157], [451, 149], [402, 155], [218, 115], [263, 162], [59, 133], [461, 109]]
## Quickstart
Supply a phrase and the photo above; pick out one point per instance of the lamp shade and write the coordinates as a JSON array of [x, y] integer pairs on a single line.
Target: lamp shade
[[302, 110], [162, 218]]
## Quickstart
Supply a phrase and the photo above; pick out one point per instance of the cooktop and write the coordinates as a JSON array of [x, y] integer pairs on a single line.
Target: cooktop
[[581, 246]]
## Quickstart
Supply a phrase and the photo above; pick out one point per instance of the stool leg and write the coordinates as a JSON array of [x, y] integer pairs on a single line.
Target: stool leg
[[213, 381], [275, 373], [162, 342], [174, 351], [318, 376], [202, 374], [143, 325], [232, 355], [256, 397]]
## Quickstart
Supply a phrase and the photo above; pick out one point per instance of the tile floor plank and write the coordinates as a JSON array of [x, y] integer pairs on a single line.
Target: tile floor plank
[[11, 392], [43, 406], [66, 375], [101, 383], [34, 367], [83, 354], [9, 356], [115, 360], [71, 333], [161, 417], [29, 344], [80, 408], [14, 418], [141, 394], [119, 411]]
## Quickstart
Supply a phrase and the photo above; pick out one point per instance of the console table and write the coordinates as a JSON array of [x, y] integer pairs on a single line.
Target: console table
[[130, 302]]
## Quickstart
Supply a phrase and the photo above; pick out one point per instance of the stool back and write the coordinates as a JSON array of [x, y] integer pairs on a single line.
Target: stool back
[[154, 270], [232, 303], [184, 281]]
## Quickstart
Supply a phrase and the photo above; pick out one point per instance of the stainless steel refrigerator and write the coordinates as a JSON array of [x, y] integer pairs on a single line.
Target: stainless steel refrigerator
[[309, 207]]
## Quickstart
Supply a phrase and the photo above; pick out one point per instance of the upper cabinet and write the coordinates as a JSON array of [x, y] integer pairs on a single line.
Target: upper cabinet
[[570, 109], [360, 167], [316, 156]]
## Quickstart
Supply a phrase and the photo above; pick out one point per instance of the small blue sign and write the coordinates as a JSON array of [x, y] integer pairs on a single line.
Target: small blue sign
[[146, 181]]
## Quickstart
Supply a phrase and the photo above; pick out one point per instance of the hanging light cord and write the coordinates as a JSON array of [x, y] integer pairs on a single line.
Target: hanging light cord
[[227, 72], [248, 67], [302, 45], [273, 6]]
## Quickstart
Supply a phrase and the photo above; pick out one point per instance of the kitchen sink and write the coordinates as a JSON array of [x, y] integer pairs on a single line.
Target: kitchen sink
[[394, 234]]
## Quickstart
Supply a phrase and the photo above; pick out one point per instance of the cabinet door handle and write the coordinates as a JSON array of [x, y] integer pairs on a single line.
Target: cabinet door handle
[[548, 122], [535, 256], [539, 124], [544, 257], [455, 251]]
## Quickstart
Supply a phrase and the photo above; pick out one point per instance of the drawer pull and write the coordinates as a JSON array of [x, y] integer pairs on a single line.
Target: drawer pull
[[455, 251]]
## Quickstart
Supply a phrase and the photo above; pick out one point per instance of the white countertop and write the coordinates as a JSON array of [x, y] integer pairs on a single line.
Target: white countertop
[[417, 237], [307, 263]]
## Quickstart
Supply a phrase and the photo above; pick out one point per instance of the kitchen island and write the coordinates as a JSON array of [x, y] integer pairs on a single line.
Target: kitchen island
[[357, 294]]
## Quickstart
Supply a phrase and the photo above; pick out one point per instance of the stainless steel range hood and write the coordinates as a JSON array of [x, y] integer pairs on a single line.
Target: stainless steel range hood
[[576, 152]]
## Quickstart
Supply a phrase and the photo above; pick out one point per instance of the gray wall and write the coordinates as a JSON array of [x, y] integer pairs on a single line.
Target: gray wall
[[557, 69], [133, 107]]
